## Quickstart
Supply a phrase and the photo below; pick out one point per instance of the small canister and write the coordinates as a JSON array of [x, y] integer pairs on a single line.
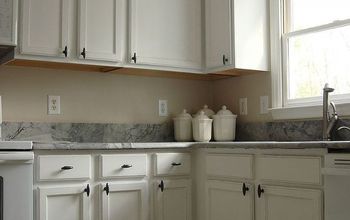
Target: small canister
[[183, 127], [202, 127], [224, 125]]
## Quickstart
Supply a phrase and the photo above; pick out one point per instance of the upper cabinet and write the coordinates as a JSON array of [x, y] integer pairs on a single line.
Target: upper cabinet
[[8, 22], [183, 35], [237, 35], [166, 33], [45, 27], [219, 33], [102, 30], [251, 25]]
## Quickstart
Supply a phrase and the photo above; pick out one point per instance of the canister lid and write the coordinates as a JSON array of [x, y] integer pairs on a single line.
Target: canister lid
[[224, 112], [207, 111], [201, 116], [183, 115]]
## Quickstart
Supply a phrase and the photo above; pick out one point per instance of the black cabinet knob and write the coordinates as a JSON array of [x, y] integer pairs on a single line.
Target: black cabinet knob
[[244, 189], [65, 51], [161, 185], [260, 191], [176, 164], [133, 58], [87, 190], [106, 188], [224, 59], [67, 168], [83, 53], [126, 166]]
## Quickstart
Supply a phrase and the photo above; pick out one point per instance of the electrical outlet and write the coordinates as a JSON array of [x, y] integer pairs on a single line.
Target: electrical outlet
[[264, 104], [243, 106], [163, 107], [54, 105]]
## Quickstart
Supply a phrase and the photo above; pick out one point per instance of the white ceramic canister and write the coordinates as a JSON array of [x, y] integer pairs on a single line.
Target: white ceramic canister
[[183, 126], [207, 111], [224, 125], [202, 127]]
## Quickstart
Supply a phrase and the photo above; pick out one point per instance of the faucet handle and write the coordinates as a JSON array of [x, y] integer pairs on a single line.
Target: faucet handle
[[335, 114]]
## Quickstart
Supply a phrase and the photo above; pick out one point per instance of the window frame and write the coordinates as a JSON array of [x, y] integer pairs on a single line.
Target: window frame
[[282, 108]]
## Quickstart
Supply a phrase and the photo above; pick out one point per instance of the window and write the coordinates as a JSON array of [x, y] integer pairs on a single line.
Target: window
[[315, 37]]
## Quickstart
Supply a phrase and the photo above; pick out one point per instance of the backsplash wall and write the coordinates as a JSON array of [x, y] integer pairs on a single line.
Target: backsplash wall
[[89, 97]]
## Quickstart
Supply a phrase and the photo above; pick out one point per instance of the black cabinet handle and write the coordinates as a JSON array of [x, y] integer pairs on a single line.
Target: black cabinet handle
[[245, 189], [87, 190], [161, 185], [67, 168], [83, 53], [65, 52], [126, 166], [133, 58], [106, 188], [224, 59], [176, 164], [260, 191]]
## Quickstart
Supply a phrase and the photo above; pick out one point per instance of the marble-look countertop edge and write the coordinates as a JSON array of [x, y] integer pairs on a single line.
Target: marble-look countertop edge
[[189, 145]]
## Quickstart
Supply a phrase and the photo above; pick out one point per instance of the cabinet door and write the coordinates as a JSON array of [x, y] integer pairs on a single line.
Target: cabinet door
[[45, 27], [276, 203], [166, 33], [173, 200], [124, 201], [68, 203], [102, 27], [219, 33], [226, 201], [8, 22], [251, 34]]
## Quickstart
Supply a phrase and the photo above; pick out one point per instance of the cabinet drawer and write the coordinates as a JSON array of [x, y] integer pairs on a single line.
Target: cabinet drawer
[[64, 167], [172, 164], [230, 166], [289, 169], [123, 165]]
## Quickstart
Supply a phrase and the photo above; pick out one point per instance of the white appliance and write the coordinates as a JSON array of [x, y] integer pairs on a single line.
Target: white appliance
[[16, 181], [337, 186]]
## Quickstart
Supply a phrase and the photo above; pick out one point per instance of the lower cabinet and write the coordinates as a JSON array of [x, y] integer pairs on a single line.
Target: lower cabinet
[[121, 201], [173, 200], [229, 200], [275, 203], [66, 202]]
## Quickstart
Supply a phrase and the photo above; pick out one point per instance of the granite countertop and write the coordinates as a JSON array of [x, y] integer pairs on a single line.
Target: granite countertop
[[184, 145]]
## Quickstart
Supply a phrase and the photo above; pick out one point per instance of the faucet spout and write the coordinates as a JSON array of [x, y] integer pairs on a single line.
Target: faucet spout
[[328, 120]]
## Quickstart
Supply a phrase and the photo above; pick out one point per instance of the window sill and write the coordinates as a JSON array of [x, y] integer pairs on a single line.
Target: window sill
[[306, 112]]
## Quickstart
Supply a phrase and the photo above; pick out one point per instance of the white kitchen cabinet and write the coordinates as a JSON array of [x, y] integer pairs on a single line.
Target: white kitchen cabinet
[[122, 201], [219, 33], [102, 30], [227, 201], [166, 33], [251, 26], [64, 202], [276, 203], [173, 200], [8, 22], [45, 27]]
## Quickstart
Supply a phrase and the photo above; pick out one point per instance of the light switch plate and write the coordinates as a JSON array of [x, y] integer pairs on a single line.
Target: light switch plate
[[53, 105], [264, 104], [243, 106], [163, 107]]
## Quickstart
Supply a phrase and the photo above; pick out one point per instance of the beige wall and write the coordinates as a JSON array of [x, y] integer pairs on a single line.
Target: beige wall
[[96, 97], [228, 92]]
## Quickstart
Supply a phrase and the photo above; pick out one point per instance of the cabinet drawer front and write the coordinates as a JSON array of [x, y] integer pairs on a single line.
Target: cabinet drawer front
[[64, 167], [230, 166], [172, 164], [123, 165], [289, 169]]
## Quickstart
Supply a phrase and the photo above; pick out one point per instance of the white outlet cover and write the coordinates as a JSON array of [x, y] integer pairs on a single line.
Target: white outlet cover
[[53, 105], [243, 106], [264, 104], [163, 108]]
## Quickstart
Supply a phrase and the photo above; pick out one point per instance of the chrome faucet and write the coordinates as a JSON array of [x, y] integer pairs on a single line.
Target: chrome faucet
[[328, 119]]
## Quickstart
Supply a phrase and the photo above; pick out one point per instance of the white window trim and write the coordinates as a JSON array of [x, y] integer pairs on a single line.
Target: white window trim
[[303, 108]]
